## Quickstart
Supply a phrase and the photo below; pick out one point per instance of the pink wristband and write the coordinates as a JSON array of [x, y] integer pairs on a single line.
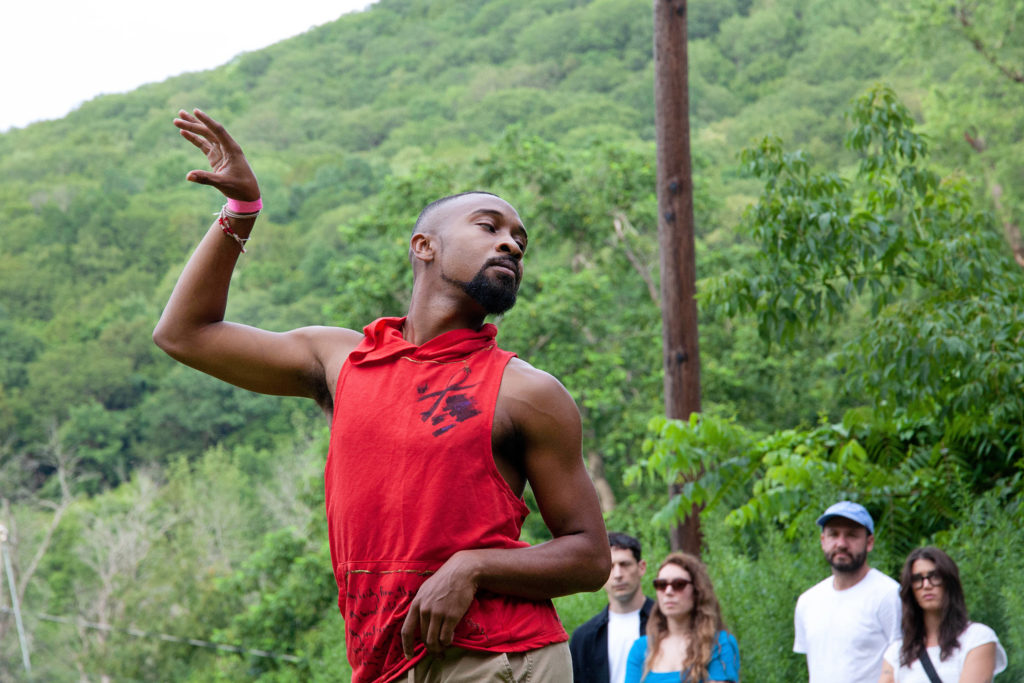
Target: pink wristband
[[238, 206]]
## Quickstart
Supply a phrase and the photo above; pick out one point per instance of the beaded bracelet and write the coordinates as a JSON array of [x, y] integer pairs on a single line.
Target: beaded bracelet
[[222, 221], [234, 214]]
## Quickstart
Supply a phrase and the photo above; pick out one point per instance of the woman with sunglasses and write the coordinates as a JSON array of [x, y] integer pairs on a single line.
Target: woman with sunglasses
[[936, 631], [685, 640]]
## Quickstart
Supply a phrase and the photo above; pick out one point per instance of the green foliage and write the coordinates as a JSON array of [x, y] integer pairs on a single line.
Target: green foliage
[[936, 370], [782, 480], [290, 590], [758, 592], [992, 30], [972, 53], [97, 437], [365, 110], [830, 243], [892, 306], [988, 568], [759, 575]]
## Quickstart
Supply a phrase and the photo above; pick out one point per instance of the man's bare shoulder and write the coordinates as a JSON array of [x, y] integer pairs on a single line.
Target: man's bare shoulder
[[525, 377], [526, 387], [547, 424], [328, 334], [332, 345]]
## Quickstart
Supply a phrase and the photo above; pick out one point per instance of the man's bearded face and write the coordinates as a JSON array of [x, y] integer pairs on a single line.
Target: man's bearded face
[[496, 294]]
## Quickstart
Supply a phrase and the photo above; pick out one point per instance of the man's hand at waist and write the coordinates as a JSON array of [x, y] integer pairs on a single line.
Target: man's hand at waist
[[440, 604]]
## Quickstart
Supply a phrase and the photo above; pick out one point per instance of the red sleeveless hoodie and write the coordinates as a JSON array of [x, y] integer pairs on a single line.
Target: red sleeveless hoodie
[[410, 480]]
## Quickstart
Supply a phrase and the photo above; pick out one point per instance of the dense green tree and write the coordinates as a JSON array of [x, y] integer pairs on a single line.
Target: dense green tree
[[973, 53], [938, 369]]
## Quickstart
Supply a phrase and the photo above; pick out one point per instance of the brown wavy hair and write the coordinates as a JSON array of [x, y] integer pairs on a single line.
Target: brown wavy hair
[[705, 620], [954, 609]]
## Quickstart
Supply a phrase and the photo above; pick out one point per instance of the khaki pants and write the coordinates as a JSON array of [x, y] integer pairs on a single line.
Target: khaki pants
[[549, 664]]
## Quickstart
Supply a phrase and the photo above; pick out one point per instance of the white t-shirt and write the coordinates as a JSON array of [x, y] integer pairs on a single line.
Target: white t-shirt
[[623, 630], [949, 670], [844, 633]]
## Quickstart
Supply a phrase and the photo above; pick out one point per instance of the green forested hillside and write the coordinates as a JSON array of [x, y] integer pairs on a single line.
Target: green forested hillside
[[861, 310]]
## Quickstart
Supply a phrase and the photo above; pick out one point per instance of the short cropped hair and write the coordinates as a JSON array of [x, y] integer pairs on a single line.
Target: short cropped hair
[[625, 542], [421, 220]]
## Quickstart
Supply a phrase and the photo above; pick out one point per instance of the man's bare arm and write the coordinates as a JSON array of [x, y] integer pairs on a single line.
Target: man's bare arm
[[192, 328], [576, 559]]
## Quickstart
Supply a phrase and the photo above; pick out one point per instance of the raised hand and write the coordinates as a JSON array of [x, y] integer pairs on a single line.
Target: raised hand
[[231, 173]]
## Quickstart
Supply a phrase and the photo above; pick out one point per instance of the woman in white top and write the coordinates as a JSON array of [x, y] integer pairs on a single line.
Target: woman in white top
[[935, 625]]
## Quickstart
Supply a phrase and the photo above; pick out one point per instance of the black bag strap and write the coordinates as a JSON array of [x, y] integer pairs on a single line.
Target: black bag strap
[[929, 668]]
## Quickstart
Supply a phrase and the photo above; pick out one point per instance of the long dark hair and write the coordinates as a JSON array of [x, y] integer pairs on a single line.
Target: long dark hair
[[705, 620], [954, 609]]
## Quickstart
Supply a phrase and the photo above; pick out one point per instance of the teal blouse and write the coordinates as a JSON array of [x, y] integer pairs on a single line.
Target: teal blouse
[[724, 664]]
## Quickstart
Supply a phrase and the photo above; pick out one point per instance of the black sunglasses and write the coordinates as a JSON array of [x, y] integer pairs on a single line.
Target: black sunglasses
[[678, 585]]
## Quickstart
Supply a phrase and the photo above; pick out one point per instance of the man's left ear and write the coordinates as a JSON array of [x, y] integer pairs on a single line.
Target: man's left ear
[[422, 247], [643, 566]]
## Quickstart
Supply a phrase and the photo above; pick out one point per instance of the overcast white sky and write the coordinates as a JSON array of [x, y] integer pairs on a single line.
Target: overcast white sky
[[56, 54]]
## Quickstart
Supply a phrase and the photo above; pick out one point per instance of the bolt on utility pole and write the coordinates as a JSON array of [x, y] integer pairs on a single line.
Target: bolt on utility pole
[[6, 557], [676, 232]]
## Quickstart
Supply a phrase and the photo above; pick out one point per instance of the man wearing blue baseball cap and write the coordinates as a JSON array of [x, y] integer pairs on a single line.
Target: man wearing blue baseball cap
[[844, 623]]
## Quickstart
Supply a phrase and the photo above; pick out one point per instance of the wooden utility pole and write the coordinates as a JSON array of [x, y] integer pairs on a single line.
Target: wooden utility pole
[[675, 232]]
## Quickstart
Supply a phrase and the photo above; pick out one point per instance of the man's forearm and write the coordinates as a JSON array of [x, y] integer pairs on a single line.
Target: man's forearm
[[568, 564], [200, 296]]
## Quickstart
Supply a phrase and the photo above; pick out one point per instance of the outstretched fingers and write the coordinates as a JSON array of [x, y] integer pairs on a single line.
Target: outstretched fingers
[[231, 173], [196, 133], [196, 140], [219, 133], [191, 128]]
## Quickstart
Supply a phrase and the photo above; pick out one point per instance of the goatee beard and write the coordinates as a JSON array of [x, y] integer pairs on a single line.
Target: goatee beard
[[495, 295]]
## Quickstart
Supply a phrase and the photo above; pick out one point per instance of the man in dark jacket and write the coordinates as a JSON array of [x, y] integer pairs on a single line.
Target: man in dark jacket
[[600, 646]]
